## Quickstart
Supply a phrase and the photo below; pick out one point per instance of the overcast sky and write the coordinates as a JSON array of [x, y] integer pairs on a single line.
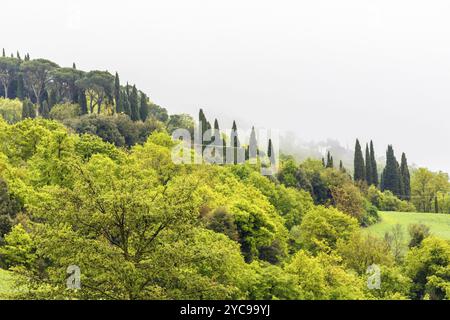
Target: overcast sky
[[322, 68]]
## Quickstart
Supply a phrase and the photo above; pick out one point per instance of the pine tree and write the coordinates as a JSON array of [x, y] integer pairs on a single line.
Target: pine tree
[[373, 166], [144, 108], [391, 174], [368, 167], [119, 107], [360, 171], [406, 179], [134, 104]]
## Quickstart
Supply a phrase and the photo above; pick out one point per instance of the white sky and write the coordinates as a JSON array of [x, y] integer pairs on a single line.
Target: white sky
[[321, 68]]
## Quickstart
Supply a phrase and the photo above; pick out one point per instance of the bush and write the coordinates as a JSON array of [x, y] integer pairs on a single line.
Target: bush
[[65, 111], [11, 110]]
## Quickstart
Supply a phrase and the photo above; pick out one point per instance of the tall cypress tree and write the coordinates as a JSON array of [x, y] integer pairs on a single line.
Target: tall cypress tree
[[83, 102], [406, 179], [125, 104], [330, 162], [144, 108], [253, 145], [235, 142], [368, 167], [373, 166], [134, 104], [360, 171], [4, 53], [119, 107], [391, 174]]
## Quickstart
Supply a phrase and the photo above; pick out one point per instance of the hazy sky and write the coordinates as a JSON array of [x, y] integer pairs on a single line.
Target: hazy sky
[[321, 68]]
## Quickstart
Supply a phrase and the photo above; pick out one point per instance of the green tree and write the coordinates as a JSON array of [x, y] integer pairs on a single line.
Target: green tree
[[406, 179], [391, 174], [369, 170], [37, 74], [9, 68], [359, 167], [134, 104], [117, 93], [97, 85], [373, 166], [144, 108]]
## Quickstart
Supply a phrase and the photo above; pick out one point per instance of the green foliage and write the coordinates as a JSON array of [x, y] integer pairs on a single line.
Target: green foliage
[[11, 110], [65, 111], [322, 227], [429, 268]]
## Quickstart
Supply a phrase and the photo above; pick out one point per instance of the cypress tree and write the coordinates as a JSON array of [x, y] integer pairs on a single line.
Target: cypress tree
[[359, 172], [323, 162], [45, 109], [126, 104], [330, 163], [74, 66], [406, 179], [235, 144], [119, 107], [4, 53], [144, 108], [341, 167], [82, 102], [134, 104], [368, 167], [373, 166], [253, 145], [20, 91], [391, 174], [271, 152]]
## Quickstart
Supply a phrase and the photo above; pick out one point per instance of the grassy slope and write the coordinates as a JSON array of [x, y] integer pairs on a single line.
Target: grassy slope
[[6, 284], [439, 223]]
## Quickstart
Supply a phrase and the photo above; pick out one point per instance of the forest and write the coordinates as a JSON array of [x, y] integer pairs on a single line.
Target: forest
[[87, 179]]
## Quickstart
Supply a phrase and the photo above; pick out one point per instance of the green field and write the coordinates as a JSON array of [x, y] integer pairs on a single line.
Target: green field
[[439, 223], [6, 284]]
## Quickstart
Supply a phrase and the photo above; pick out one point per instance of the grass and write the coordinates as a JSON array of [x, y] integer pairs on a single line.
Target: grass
[[6, 284], [439, 224]]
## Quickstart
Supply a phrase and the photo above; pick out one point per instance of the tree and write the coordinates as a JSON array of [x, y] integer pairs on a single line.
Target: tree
[[369, 171], [253, 145], [391, 174], [425, 185], [134, 104], [360, 171], [373, 166], [330, 162], [37, 74], [144, 108], [97, 85], [321, 228], [28, 110], [8, 72], [117, 93], [64, 83], [82, 101], [406, 179]]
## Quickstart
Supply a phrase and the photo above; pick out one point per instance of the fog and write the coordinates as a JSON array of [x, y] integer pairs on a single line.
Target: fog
[[320, 69]]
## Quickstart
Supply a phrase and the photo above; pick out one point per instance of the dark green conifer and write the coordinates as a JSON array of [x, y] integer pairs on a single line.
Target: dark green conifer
[[359, 170]]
